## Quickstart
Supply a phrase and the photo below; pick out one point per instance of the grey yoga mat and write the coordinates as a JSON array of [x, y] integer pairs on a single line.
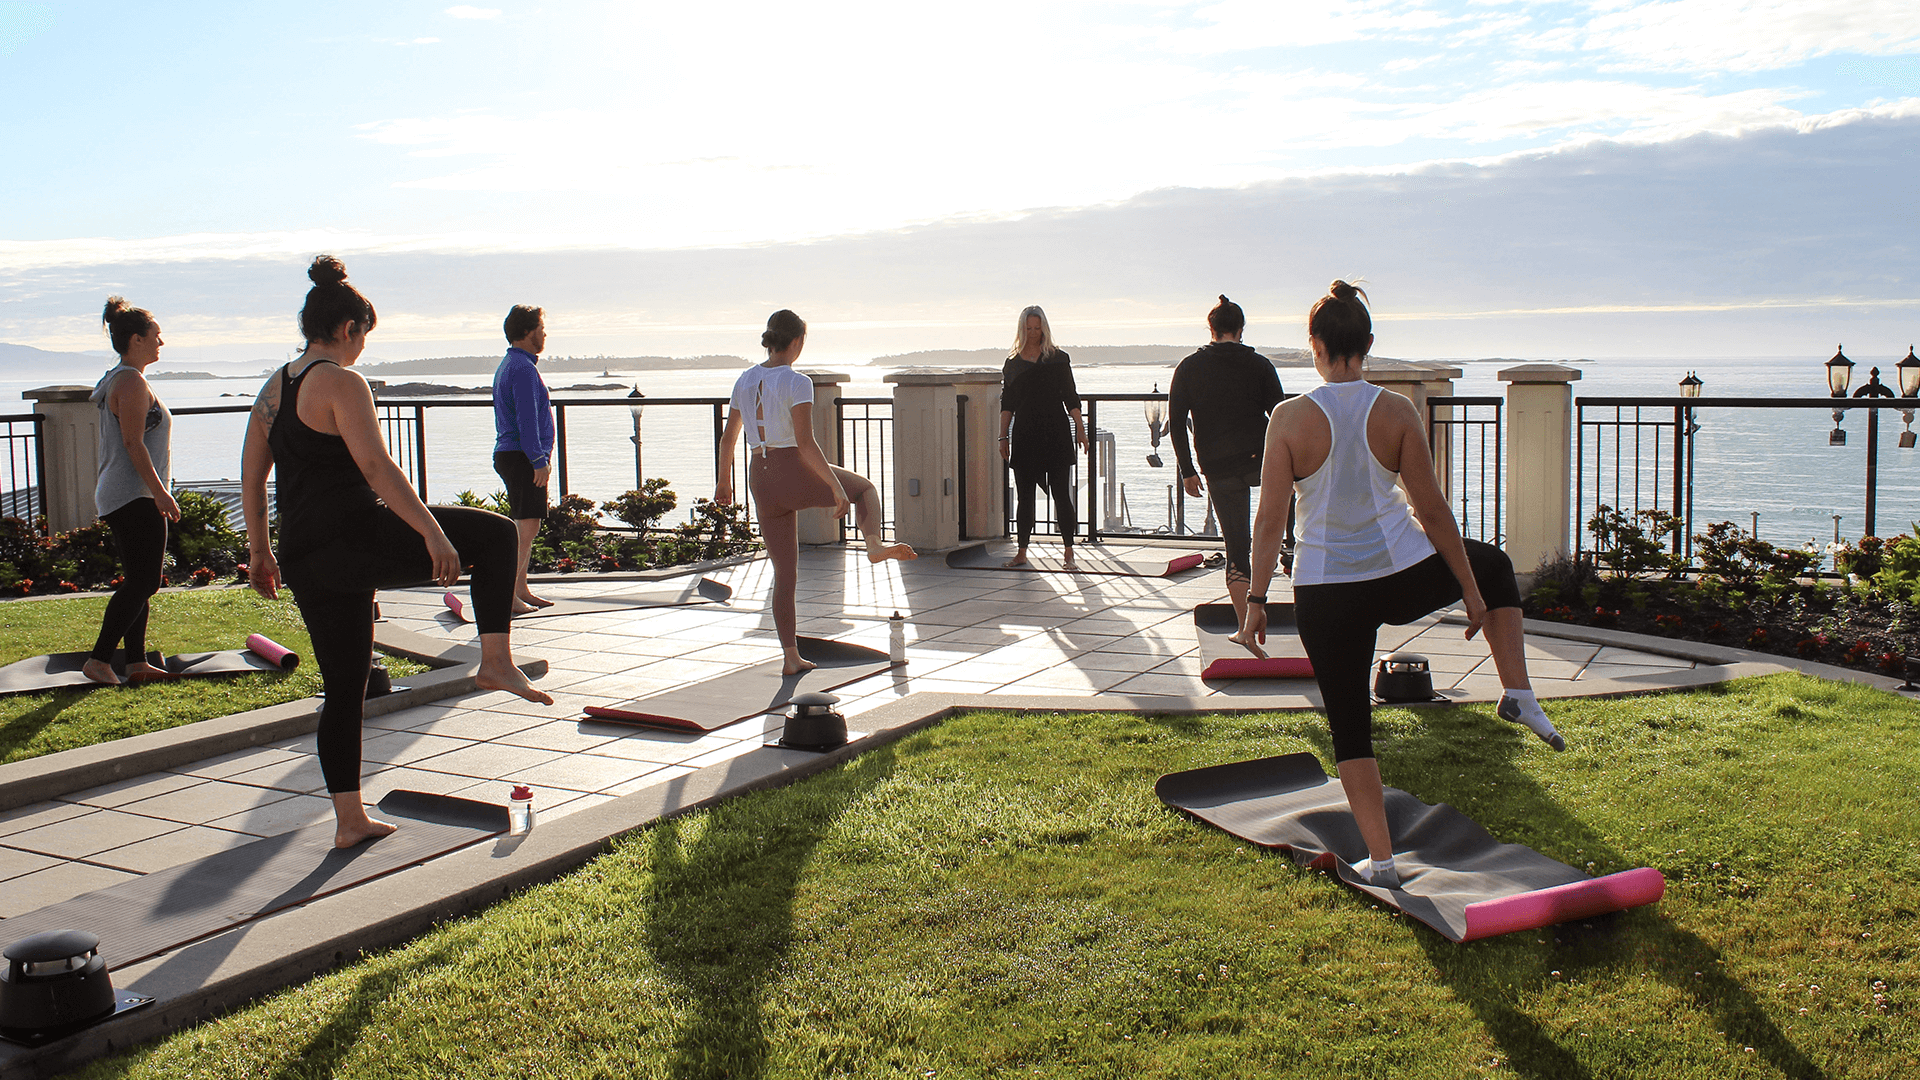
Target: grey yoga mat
[[63, 669], [676, 593], [1215, 624], [161, 911], [751, 692], [1454, 876], [1143, 564]]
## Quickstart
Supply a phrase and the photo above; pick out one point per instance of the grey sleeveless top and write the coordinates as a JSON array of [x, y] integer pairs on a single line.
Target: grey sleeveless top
[[118, 484]]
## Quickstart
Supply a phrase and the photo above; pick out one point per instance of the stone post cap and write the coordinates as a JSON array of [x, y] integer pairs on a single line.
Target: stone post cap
[[827, 378], [1540, 373], [1376, 371], [937, 376], [58, 393]]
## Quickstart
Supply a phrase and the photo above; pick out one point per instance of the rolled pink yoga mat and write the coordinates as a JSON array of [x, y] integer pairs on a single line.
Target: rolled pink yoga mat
[[272, 652]]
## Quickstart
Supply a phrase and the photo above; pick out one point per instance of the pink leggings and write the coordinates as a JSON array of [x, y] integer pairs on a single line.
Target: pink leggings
[[782, 486]]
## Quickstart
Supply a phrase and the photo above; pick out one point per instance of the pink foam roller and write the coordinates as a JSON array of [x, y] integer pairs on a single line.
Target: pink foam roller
[[1254, 667], [1564, 903], [1185, 562], [272, 652], [453, 604]]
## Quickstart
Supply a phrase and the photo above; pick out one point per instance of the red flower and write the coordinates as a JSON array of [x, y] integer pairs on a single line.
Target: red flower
[[203, 576], [564, 565], [1893, 663], [68, 586], [25, 586], [1758, 637]]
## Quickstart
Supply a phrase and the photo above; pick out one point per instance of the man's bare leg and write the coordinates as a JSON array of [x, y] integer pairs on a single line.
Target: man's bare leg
[[497, 671], [523, 598], [351, 825]]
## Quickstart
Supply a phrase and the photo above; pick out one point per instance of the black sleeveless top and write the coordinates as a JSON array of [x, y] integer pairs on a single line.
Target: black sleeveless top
[[319, 490]]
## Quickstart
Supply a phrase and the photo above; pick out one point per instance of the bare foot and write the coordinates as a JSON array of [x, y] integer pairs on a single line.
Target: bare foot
[[1251, 645], [891, 551], [1068, 560], [100, 671], [511, 679], [536, 601], [145, 672], [1019, 559], [346, 835], [796, 666], [519, 608]]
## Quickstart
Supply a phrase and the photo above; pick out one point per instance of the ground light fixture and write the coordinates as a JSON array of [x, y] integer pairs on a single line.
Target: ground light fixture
[[1909, 369], [54, 984], [814, 725]]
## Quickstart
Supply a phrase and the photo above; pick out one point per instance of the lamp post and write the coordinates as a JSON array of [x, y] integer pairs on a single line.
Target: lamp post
[[1909, 369], [1839, 374], [1689, 389], [1874, 388], [636, 406]]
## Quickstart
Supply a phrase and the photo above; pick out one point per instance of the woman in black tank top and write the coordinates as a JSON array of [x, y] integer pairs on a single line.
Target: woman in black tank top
[[351, 524]]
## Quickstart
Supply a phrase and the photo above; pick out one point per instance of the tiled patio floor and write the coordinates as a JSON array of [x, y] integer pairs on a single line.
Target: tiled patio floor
[[968, 631]]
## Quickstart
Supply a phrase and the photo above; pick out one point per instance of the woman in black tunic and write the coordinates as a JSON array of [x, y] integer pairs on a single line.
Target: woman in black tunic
[[1037, 401]]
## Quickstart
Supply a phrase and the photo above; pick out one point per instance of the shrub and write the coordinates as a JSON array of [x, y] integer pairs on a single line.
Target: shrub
[[1898, 576], [496, 502], [1631, 549], [203, 538], [570, 520], [642, 508], [1731, 556]]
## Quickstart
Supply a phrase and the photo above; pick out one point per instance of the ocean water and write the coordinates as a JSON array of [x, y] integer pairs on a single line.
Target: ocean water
[[1773, 462]]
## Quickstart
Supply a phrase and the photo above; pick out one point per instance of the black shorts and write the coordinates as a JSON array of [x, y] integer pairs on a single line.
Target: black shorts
[[527, 501]]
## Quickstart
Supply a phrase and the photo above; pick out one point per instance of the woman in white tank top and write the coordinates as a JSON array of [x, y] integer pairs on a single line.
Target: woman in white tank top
[[1367, 555]]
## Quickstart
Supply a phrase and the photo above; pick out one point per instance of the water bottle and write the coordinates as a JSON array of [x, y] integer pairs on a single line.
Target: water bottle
[[897, 639], [520, 811]]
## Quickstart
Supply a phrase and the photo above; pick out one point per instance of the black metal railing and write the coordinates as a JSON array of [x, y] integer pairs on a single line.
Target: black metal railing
[[1639, 453], [866, 447], [1465, 437], [25, 494]]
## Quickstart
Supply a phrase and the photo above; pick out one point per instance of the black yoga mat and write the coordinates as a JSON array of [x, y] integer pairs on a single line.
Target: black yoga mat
[[154, 914], [1455, 877], [63, 669], [1143, 564], [1286, 658], [676, 593], [741, 695]]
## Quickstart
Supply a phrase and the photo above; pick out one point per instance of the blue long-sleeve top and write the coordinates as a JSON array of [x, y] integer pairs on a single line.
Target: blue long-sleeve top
[[522, 411]]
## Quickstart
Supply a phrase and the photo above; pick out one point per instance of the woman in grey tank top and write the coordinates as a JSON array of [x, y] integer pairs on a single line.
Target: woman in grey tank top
[[131, 494]]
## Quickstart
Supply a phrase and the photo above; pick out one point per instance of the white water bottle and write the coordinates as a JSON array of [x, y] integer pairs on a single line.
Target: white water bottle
[[897, 639], [520, 811]]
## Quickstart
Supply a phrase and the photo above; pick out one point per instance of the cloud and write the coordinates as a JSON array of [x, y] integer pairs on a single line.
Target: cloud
[[1740, 35], [468, 11], [20, 21]]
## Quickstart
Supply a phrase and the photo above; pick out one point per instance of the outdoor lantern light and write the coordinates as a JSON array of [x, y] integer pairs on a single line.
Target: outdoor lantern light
[[1156, 426], [1909, 369], [1839, 372], [636, 406], [1690, 386]]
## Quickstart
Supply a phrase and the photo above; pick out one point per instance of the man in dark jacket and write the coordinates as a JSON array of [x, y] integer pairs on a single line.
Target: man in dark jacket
[[523, 443], [1227, 389]]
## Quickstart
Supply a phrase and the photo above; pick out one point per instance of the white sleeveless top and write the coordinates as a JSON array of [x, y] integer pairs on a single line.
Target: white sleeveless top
[[765, 397], [1353, 524]]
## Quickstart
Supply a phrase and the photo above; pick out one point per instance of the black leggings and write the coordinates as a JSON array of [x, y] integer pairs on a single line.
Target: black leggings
[[1232, 498], [334, 588], [1339, 622], [1059, 481], [140, 536]]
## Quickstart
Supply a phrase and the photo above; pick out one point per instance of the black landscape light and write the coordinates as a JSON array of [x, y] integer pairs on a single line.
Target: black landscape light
[[1839, 372], [54, 984], [814, 725], [1404, 676], [1909, 369]]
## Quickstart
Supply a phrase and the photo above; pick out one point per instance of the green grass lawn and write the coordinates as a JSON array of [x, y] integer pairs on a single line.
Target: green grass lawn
[[36, 724], [1003, 896]]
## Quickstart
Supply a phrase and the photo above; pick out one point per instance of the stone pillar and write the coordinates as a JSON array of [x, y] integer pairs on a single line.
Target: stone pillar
[[926, 458], [819, 526], [981, 471], [1540, 479], [72, 453]]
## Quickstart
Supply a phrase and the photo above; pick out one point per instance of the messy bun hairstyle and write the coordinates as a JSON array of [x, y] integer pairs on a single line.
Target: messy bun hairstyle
[[332, 303], [1341, 322], [783, 329], [1226, 317], [124, 323]]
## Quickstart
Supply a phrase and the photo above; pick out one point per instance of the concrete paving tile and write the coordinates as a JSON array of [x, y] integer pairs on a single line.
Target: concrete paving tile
[[488, 761], [1579, 652], [685, 669], [407, 747], [723, 754], [1152, 644], [297, 775], [1611, 655], [172, 849], [203, 803], [1162, 685], [31, 892], [584, 772], [1622, 671], [79, 837], [477, 725], [34, 815], [14, 862], [1132, 662], [378, 785], [1545, 669], [132, 789], [1453, 663], [284, 816], [216, 768], [566, 735], [1190, 664], [1446, 640], [662, 775], [564, 703], [606, 663], [1067, 680]]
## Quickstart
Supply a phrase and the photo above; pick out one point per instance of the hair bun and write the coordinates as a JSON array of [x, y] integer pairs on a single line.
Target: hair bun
[[1224, 300], [1340, 290], [116, 306], [327, 270]]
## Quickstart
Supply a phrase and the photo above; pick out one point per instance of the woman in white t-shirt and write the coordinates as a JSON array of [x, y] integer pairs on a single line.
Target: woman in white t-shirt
[[786, 471]]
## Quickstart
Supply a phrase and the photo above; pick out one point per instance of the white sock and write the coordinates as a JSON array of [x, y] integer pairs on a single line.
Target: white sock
[[1371, 868], [1530, 712]]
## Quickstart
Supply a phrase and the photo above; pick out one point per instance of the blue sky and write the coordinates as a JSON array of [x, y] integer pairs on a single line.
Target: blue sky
[[224, 143]]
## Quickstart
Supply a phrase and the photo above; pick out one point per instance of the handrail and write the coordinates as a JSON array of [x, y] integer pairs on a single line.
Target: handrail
[[1752, 402]]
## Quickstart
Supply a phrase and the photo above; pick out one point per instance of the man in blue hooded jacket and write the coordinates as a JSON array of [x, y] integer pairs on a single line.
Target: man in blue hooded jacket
[[523, 443]]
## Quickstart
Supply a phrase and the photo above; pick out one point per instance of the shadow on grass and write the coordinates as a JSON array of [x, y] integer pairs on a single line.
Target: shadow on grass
[[1450, 757], [719, 912], [23, 729], [337, 1038]]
